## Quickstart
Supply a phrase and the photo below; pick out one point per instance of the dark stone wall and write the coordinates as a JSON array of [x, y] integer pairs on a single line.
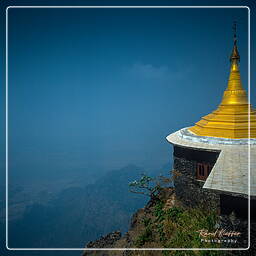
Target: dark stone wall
[[195, 155], [188, 189], [239, 205]]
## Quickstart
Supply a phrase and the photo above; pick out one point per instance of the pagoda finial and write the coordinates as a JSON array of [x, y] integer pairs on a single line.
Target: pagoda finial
[[231, 118], [235, 57], [234, 30]]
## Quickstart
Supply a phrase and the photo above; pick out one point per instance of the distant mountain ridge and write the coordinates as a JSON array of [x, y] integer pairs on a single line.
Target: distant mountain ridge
[[78, 215]]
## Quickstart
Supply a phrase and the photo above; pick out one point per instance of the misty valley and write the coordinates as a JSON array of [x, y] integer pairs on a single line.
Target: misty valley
[[73, 211]]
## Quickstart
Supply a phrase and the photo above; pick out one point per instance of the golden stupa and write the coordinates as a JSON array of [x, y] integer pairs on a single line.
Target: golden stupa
[[232, 117]]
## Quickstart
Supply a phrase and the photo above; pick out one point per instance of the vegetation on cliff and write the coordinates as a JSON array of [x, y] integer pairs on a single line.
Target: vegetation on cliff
[[165, 222], [175, 227]]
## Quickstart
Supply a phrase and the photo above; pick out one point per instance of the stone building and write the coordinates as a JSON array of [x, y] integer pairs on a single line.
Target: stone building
[[216, 158]]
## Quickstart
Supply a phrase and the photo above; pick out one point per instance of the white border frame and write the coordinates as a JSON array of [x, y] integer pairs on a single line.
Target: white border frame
[[122, 249]]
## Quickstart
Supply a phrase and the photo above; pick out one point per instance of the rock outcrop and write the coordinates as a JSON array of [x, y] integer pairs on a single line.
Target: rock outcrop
[[105, 241]]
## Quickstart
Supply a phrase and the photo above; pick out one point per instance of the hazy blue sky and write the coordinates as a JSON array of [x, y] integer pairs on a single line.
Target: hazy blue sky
[[104, 87]]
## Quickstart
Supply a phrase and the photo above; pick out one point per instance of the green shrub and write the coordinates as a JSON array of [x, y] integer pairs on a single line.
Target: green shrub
[[146, 221], [174, 213], [158, 211], [146, 236]]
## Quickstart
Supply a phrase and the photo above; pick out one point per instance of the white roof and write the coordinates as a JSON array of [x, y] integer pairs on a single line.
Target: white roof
[[233, 166]]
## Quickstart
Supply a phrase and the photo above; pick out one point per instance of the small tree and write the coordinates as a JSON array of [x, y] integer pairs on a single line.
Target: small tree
[[149, 186]]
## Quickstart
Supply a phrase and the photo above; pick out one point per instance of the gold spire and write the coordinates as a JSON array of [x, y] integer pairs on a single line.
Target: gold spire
[[231, 118], [235, 54]]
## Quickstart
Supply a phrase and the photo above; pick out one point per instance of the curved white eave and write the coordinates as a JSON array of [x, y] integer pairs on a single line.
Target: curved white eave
[[231, 170]]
